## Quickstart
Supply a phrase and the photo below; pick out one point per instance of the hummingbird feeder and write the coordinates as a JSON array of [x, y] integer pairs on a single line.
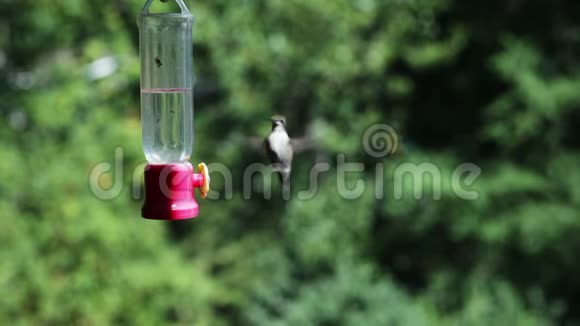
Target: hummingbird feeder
[[165, 48]]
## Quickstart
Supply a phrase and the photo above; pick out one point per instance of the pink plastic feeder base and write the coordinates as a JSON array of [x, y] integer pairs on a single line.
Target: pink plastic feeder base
[[169, 192]]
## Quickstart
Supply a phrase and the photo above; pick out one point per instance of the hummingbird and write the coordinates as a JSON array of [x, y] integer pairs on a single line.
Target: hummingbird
[[278, 147]]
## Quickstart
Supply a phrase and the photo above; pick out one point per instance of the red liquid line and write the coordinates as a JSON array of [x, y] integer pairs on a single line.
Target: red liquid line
[[165, 90]]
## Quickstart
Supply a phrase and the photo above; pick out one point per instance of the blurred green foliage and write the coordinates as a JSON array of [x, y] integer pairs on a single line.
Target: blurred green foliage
[[496, 83]]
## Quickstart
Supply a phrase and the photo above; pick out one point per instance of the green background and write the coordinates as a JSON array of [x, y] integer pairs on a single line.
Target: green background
[[495, 83]]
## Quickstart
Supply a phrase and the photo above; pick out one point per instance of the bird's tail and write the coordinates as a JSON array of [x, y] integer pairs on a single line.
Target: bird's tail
[[285, 181], [282, 171], [284, 177]]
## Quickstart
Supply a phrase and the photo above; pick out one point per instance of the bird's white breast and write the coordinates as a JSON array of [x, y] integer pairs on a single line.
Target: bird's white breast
[[279, 141]]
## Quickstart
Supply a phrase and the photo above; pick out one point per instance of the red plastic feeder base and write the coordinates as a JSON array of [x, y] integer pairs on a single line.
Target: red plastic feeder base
[[169, 192]]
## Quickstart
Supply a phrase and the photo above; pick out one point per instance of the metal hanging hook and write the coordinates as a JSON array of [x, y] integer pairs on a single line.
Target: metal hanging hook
[[180, 3]]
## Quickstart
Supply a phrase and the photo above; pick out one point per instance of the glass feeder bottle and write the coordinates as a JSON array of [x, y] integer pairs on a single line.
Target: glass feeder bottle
[[166, 54]]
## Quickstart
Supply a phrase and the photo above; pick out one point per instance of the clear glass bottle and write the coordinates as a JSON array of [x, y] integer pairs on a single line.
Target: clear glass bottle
[[165, 42]]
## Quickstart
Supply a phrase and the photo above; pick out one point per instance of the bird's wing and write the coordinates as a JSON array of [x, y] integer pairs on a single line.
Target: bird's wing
[[302, 144], [254, 142]]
